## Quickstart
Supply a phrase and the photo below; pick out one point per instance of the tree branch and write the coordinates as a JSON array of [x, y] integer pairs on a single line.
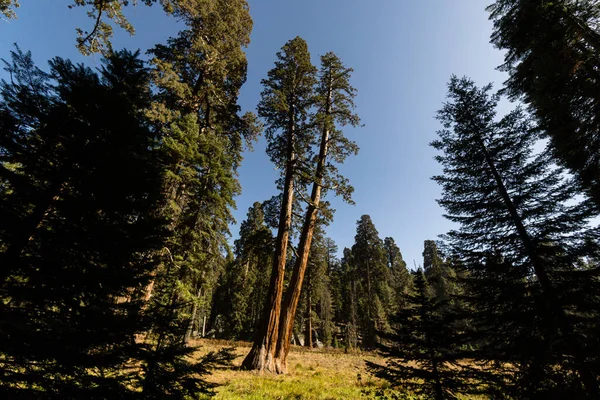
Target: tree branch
[[97, 24]]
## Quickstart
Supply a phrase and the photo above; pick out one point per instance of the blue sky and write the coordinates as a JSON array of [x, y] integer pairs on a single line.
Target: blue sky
[[402, 53]]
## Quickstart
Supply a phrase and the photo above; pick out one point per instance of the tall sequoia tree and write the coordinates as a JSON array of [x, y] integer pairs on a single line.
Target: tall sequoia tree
[[516, 205], [334, 101], [552, 56], [285, 104]]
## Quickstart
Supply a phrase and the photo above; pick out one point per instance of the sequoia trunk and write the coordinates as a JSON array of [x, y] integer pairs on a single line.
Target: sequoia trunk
[[292, 296], [262, 354]]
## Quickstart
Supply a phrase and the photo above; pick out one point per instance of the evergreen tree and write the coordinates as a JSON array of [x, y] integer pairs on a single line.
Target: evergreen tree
[[421, 356], [335, 287], [552, 57], [369, 262], [326, 306], [513, 203], [285, 104], [196, 111], [400, 278], [440, 275], [243, 294], [81, 179], [317, 319], [197, 77], [334, 102], [348, 315], [106, 14]]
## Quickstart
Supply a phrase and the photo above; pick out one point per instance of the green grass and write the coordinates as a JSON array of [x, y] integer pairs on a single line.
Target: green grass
[[313, 375], [316, 374]]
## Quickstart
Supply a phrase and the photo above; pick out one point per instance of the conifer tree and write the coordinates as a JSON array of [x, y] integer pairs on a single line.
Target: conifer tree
[[243, 293], [316, 296], [197, 77], [285, 105], [80, 183], [369, 263], [334, 102], [440, 275], [421, 356], [350, 280], [516, 205], [400, 278], [196, 112], [552, 57], [336, 291], [324, 289], [105, 14]]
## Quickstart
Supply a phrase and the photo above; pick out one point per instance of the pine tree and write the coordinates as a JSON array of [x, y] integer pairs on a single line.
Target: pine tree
[[323, 289], [334, 102], [197, 77], [285, 103], [196, 112], [348, 315], [552, 57], [315, 296], [513, 203]]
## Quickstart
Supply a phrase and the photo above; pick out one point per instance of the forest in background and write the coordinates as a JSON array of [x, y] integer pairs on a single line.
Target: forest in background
[[117, 185]]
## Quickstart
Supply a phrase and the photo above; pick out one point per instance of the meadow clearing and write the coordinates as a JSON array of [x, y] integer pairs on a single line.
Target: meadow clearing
[[314, 374]]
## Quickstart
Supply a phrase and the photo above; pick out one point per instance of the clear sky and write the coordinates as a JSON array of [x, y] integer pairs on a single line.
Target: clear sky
[[402, 53]]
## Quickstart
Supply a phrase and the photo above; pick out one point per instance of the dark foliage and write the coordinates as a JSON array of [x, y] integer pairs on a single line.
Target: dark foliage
[[552, 58], [515, 205]]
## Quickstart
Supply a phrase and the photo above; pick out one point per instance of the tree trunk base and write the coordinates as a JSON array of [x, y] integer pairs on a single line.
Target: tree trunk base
[[281, 366], [259, 359]]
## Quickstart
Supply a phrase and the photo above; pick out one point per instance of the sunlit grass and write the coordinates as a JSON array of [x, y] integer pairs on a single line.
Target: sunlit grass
[[313, 375]]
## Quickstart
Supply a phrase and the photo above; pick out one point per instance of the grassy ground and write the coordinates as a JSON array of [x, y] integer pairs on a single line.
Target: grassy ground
[[313, 374], [318, 374]]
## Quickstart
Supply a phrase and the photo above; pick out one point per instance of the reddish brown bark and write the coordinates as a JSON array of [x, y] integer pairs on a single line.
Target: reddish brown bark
[[290, 304], [262, 354]]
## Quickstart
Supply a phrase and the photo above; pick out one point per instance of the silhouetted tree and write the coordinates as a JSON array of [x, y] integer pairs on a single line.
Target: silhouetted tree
[[552, 57], [514, 203], [421, 352]]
